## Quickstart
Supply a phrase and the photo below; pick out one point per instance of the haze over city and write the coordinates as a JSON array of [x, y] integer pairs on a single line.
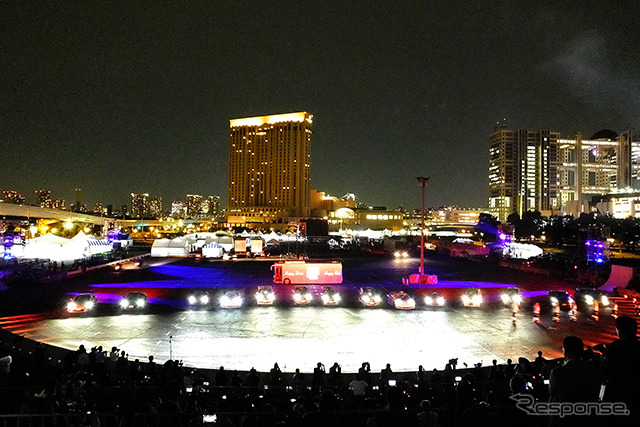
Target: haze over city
[[118, 98]]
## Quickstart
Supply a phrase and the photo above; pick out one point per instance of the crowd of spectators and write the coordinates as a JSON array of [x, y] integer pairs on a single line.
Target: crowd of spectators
[[138, 393]]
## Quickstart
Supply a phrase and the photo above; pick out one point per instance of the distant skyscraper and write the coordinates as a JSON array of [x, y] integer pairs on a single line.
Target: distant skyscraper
[[79, 196], [155, 208], [269, 167], [60, 204], [139, 204], [193, 203], [213, 205], [523, 167], [12, 196], [178, 210], [43, 198], [539, 170]]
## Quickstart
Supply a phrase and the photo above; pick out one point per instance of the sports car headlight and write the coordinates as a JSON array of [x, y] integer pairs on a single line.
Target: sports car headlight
[[140, 303], [89, 305], [192, 299], [236, 300], [377, 298], [297, 297], [71, 306], [517, 299], [477, 299], [124, 303], [465, 298], [554, 300], [588, 299], [204, 299], [605, 300], [224, 300], [440, 300], [505, 298], [428, 300], [325, 298], [336, 297]]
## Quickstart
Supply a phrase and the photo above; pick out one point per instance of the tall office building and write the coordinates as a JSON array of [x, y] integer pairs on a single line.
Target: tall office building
[[139, 204], [212, 205], [155, 207], [540, 170], [193, 203], [269, 167], [523, 167], [43, 198]]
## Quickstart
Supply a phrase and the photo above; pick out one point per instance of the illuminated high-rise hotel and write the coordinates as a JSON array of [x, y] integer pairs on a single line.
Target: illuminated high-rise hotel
[[269, 167]]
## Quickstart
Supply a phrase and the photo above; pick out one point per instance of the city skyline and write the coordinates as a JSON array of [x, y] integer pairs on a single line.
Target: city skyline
[[125, 98]]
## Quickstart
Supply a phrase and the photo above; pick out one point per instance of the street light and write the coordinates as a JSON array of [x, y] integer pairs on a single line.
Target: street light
[[422, 183]]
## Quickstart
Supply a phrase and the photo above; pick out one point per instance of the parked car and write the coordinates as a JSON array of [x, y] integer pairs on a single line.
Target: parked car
[[511, 295], [370, 297], [561, 299], [82, 303], [434, 299], [134, 301], [588, 296], [401, 301], [330, 296], [265, 295], [231, 299], [472, 298], [199, 298], [302, 296]]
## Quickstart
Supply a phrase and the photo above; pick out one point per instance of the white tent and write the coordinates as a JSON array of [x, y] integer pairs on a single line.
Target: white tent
[[89, 245], [272, 239], [212, 250], [49, 246], [179, 246]]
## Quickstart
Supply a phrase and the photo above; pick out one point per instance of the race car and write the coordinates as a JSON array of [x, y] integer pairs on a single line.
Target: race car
[[199, 299], [401, 301], [302, 296], [560, 299], [434, 299], [231, 299], [265, 295], [472, 298], [588, 296], [330, 296], [82, 303], [370, 297], [511, 295], [134, 300], [401, 254]]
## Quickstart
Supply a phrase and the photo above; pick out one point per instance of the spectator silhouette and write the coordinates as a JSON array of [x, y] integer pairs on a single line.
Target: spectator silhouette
[[222, 380], [622, 368], [275, 376], [317, 380], [386, 375], [335, 374], [574, 381]]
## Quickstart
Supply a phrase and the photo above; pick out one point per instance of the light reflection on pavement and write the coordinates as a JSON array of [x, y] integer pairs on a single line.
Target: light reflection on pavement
[[299, 337]]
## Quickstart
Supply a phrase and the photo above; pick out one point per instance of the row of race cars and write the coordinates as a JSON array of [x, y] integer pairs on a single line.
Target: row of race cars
[[367, 297]]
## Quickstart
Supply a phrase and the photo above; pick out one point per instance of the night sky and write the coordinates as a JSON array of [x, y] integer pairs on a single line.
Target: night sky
[[121, 97]]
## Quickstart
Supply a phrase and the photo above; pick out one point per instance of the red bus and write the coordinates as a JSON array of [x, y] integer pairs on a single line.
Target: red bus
[[302, 272]]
